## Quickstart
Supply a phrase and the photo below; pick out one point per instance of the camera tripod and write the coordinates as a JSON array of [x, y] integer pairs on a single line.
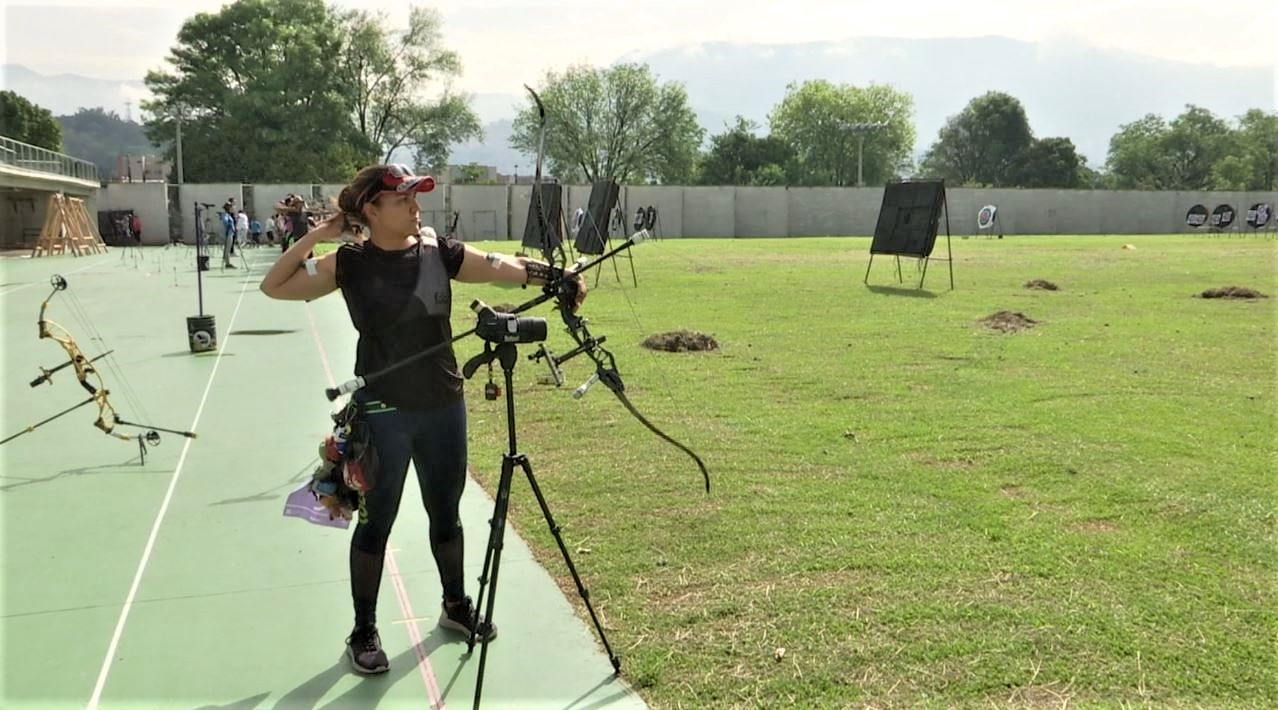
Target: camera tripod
[[506, 354]]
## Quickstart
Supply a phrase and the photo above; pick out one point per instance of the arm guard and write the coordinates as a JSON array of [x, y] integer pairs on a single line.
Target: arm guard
[[545, 273]]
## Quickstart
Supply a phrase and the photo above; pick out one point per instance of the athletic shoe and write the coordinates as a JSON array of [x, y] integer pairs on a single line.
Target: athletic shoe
[[460, 616], [364, 648]]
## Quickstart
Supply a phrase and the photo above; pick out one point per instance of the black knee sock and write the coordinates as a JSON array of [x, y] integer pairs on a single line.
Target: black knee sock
[[366, 577], [448, 558]]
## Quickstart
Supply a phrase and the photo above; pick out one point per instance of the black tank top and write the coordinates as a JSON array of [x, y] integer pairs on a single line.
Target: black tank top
[[399, 301]]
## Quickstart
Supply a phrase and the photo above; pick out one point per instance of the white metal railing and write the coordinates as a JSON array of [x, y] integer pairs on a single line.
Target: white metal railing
[[30, 157]]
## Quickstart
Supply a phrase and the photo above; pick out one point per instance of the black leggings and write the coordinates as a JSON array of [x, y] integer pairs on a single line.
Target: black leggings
[[435, 442]]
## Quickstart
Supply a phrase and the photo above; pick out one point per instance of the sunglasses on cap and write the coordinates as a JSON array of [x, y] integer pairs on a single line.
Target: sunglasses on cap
[[399, 178]]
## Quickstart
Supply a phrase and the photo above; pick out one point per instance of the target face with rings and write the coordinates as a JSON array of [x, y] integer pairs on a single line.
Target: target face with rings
[[985, 218]]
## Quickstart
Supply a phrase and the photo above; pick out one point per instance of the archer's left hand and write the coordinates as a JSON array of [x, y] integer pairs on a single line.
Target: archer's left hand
[[576, 285]]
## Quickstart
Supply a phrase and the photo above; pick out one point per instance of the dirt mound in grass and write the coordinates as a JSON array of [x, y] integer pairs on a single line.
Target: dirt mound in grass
[[1042, 285], [679, 341], [1238, 292], [1008, 321]]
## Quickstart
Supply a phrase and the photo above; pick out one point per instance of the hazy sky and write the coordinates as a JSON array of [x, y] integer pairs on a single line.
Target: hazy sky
[[506, 44]]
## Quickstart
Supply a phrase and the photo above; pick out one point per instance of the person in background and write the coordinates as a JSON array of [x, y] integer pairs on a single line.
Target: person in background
[[241, 228], [228, 233], [135, 225]]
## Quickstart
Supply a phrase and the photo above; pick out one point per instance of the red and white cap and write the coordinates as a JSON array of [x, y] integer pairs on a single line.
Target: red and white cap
[[400, 178]]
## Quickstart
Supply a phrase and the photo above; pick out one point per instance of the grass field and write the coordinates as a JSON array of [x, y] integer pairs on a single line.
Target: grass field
[[908, 508]]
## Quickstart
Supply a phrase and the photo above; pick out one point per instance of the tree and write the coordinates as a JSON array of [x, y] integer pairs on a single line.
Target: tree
[[1253, 160], [617, 123], [816, 120], [473, 174], [101, 136], [1196, 151], [1136, 157], [23, 121], [1048, 162], [390, 70], [982, 144], [739, 157], [295, 90], [260, 91], [1196, 139]]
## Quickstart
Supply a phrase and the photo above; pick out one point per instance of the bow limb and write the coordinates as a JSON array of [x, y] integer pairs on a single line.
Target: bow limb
[[547, 244], [705, 475], [561, 289], [107, 417]]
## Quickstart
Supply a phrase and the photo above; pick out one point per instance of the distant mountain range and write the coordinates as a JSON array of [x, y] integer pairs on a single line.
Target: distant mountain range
[[1068, 89], [64, 94]]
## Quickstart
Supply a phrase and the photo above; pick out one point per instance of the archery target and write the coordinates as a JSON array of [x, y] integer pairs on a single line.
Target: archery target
[[1196, 216], [201, 332], [985, 218], [1258, 215], [1222, 216]]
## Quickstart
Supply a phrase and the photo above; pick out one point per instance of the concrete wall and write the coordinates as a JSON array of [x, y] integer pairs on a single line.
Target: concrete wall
[[22, 216], [434, 209], [147, 199], [484, 211], [761, 212], [668, 201], [1089, 211], [214, 194], [500, 211], [708, 211], [823, 211]]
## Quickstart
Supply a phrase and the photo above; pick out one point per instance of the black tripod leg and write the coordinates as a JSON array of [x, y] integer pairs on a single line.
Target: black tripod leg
[[492, 563], [581, 589]]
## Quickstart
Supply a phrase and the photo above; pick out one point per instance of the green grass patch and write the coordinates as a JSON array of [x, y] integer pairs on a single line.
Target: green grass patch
[[919, 509]]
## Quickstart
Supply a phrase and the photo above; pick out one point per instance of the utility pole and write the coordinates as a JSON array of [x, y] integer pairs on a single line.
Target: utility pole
[[860, 129], [179, 144], [860, 153]]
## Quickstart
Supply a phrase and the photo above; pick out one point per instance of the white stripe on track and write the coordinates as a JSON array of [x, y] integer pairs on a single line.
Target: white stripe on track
[[96, 698]]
